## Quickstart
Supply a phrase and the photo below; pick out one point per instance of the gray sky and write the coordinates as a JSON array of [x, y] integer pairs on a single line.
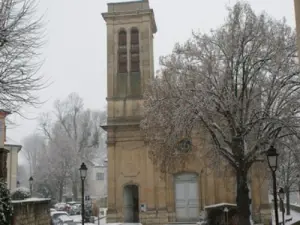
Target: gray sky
[[76, 50]]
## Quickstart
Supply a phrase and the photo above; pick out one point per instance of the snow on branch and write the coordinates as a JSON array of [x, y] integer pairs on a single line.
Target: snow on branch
[[237, 88]]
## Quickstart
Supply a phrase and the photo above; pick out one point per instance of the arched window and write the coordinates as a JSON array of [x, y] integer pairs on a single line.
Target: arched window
[[134, 36], [122, 52], [122, 38], [135, 76], [135, 50]]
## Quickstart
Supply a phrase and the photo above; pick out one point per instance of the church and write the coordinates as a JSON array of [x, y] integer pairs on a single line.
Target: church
[[137, 191]]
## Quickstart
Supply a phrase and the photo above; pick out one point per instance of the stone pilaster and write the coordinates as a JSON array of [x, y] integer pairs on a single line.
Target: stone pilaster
[[3, 151], [3, 167]]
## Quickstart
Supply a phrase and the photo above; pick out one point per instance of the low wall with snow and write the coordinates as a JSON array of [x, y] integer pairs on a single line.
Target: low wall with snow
[[31, 211], [295, 207]]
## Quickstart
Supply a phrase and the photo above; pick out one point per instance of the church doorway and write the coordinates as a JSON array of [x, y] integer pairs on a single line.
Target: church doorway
[[131, 204], [186, 197]]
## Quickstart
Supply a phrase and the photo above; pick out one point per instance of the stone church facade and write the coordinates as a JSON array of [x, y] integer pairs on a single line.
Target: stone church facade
[[137, 192]]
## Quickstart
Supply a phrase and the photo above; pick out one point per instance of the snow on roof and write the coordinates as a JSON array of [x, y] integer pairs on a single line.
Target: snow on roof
[[32, 200], [98, 162], [11, 142], [223, 204]]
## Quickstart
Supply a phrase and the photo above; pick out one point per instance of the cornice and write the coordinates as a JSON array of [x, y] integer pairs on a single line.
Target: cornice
[[113, 15]]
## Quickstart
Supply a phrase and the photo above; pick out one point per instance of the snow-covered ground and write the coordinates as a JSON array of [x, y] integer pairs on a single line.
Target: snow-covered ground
[[77, 220], [294, 215]]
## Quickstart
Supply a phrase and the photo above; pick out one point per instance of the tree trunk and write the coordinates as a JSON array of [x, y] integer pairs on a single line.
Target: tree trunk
[[75, 184], [288, 207], [242, 198], [61, 189], [75, 190]]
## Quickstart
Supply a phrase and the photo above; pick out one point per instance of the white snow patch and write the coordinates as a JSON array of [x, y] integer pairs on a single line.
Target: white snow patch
[[223, 204], [10, 141], [31, 200], [24, 190], [76, 218]]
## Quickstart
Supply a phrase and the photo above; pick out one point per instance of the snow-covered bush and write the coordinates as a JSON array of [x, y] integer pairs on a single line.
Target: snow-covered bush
[[20, 193], [6, 209]]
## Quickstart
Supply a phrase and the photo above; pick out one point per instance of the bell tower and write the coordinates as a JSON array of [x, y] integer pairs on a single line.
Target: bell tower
[[131, 181], [130, 29]]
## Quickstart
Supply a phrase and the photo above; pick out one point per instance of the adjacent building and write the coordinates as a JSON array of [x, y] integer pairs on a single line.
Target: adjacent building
[[12, 162], [8, 155], [97, 182], [3, 151], [137, 191]]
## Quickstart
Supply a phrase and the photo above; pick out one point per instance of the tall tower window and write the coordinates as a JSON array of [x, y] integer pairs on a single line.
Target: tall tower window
[[122, 52], [122, 64], [135, 76], [135, 50]]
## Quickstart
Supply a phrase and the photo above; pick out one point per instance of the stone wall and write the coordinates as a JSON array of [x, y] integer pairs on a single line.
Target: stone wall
[[32, 211]]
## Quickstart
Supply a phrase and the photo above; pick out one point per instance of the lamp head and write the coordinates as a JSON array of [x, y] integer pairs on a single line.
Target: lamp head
[[83, 171], [272, 157], [281, 193], [31, 180]]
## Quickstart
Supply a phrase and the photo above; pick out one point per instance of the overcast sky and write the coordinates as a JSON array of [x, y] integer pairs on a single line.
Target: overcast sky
[[76, 50]]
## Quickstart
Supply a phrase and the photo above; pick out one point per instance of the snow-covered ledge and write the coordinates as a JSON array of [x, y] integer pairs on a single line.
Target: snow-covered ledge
[[32, 200], [31, 211]]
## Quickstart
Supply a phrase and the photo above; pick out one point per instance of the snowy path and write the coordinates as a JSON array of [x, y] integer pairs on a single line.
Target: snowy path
[[77, 220], [294, 215]]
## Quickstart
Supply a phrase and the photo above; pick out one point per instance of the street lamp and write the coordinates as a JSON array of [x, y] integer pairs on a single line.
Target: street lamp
[[83, 172], [281, 196], [226, 214], [272, 157], [30, 185]]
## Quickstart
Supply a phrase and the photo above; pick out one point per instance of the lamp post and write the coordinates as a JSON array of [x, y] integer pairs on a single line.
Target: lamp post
[[272, 157], [30, 185], [226, 215], [298, 176], [83, 172], [281, 196]]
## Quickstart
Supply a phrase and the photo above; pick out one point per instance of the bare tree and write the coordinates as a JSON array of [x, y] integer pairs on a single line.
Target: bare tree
[[33, 148], [80, 133], [239, 83], [47, 165], [22, 175], [21, 35], [288, 171], [53, 170]]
